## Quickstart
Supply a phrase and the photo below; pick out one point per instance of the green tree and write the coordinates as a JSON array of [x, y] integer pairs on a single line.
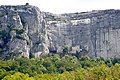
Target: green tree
[[18, 76], [65, 49]]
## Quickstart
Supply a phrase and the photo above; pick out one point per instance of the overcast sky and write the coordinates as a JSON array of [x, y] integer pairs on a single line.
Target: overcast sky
[[67, 6]]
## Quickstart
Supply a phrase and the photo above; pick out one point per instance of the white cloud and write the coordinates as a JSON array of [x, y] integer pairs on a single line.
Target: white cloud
[[65, 6]]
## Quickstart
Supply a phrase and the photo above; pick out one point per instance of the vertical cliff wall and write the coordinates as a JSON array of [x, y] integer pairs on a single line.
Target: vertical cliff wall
[[21, 31], [25, 30], [97, 32]]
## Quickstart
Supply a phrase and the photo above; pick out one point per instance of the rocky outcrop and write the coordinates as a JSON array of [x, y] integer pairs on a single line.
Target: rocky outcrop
[[22, 31], [25, 30]]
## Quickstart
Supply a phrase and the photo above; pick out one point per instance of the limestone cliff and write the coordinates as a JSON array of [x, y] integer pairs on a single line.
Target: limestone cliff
[[25, 30], [96, 32], [21, 31]]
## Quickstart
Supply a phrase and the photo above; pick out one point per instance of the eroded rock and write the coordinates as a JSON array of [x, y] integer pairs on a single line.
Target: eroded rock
[[25, 31]]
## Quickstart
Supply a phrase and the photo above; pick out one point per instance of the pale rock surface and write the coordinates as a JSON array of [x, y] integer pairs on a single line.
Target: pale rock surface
[[26, 31]]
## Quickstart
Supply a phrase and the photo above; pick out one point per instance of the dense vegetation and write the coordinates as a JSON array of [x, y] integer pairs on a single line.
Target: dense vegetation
[[60, 68]]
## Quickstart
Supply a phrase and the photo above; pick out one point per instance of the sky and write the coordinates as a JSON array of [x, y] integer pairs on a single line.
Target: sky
[[67, 6]]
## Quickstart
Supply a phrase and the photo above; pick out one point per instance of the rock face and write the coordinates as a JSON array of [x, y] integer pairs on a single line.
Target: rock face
[[96, 32], [25, 30], [22, 31]]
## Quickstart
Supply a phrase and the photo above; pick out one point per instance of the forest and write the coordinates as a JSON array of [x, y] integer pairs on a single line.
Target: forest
[[56, 67]]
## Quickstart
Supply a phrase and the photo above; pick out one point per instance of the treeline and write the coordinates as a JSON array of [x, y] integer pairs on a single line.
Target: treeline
[[60, 68]]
